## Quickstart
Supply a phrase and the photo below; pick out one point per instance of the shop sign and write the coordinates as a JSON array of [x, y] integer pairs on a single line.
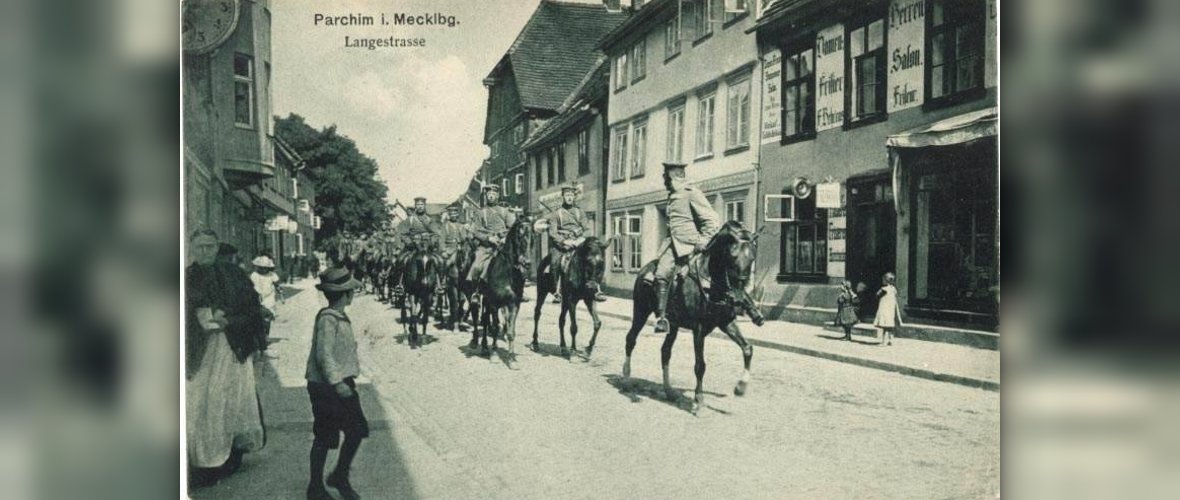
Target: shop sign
[[829, 78], [827, 195], [772, 66], [907, 31], [292, 227], [837, 240], [277, 223]]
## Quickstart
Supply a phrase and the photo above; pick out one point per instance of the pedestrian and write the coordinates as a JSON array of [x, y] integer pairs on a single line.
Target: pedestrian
[[332, 368], [224, 320], [888, 316], [266, 284], [848, 308]]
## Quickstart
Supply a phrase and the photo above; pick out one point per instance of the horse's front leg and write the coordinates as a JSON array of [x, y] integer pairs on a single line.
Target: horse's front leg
[[666, 357], [510, 326], [561, 327], [735, 334], [573, 308], [537, 316], [592, 306], [698, 347]]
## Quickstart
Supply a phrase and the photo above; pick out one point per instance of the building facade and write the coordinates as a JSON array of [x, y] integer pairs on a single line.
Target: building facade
[[549, 59], [571, 149], [684, 87], [227, 130], [879, 155], [288, 200]]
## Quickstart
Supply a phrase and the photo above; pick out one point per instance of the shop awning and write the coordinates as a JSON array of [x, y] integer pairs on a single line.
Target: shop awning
[[956, 130]]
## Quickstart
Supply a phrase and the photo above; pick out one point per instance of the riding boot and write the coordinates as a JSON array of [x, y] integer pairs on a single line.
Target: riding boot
[[661, 306]]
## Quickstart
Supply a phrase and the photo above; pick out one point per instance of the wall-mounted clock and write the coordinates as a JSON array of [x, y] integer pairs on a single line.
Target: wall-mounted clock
[[206, 24]]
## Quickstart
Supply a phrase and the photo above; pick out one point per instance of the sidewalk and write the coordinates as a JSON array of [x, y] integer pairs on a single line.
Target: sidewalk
[[939, 361]]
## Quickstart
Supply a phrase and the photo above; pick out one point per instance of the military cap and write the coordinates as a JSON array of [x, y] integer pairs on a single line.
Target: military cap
[[420, 198], [570, 188], [492, 187], [674, 167]]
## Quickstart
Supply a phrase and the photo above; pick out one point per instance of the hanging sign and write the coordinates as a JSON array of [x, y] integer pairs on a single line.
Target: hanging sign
[[829, 78], [907, 31], [827, 195]]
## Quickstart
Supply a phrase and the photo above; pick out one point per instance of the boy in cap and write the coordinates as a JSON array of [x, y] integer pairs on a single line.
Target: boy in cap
[[332, 368]]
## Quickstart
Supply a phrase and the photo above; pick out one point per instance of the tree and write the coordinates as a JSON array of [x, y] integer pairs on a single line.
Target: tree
[[349, 197]]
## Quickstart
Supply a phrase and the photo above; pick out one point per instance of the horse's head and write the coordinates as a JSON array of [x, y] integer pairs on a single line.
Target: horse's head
[[591, 259], [518, 242], [731, 255]]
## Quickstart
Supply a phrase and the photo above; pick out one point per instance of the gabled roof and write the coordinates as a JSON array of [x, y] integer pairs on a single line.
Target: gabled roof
[[592, 88], [555, 50]]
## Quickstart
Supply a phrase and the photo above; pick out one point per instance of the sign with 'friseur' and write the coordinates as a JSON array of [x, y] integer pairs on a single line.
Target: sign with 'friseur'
[[829, 78]]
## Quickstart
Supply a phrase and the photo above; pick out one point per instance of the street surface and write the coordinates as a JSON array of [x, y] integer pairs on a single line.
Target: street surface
[[447, 423]]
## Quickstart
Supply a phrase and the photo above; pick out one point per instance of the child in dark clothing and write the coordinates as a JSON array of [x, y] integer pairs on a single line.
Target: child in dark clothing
[[848, 304]]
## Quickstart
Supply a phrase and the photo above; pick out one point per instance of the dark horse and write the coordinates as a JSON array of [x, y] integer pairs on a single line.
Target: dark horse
[[452, 271], [579, 284], [726, 262], [501, 292], [420, 280]]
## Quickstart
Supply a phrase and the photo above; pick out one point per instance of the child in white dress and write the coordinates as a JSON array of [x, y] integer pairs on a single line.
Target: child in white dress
[[888, 316]]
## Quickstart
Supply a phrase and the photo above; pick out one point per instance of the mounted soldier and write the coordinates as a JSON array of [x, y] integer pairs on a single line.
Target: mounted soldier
[[568, 229], [489, 228], [452, 232], [692, 222], [415, 234]]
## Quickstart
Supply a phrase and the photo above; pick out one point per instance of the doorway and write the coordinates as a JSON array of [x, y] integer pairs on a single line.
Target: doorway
[[872, 235]]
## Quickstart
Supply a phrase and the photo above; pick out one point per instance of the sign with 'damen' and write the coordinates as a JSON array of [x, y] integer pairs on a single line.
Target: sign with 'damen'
[[829, 78]]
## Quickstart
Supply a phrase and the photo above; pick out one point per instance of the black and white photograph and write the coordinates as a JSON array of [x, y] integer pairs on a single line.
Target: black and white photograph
[[590, 249]]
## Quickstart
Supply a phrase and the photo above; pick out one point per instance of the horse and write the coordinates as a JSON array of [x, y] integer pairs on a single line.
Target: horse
[[420, 280], [501, 292], [579, 284], [453, 268], [726, 262]]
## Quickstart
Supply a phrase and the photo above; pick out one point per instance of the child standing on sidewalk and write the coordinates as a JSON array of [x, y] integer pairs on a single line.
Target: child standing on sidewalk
[[847, 306], [888, 316], [332, 368], [266, 284]]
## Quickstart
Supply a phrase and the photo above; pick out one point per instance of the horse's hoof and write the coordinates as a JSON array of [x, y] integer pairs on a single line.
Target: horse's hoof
[[740, 389], [696, 408], [535, 346], [626, 370], [565, 353]]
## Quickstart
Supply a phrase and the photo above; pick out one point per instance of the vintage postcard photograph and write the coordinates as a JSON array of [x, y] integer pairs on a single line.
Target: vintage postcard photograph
[[611, 249]]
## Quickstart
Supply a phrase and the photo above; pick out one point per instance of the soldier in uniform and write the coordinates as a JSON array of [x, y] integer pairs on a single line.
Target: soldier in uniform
[[489, 227], [453, 232], [415, 233], [692, 222], [568, 229]]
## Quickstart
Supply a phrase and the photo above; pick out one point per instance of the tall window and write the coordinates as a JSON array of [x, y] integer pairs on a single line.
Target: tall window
[[635, 241], [675, 133], [672, 38], [867, 58], [705, 112], [735, 9], [559, 152], [519, 182], [539, 181], [639, 147], [619, 154], [954, 35], [584, 152], [550, 165], [243, 90], [799, 93], [627, 246], [621, 68], [804, 242], [639, 60], [735, 210], [737, 127], [618, 230], [504, 186], [706, 11]]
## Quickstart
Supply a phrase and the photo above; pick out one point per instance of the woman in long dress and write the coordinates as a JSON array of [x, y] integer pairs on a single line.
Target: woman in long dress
[[223, 319]]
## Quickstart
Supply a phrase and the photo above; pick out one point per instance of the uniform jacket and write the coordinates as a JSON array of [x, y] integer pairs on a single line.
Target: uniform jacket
[[453, 233], [416, 225], [691, 220], [567, 224], [492, 221]]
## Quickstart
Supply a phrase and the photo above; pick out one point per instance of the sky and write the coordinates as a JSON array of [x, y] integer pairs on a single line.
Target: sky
[[419, 112]]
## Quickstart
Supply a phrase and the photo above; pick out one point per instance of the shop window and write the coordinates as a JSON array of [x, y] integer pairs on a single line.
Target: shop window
[[866, 57], [954, 243], [954, 39], [803, 254], [799, 93]]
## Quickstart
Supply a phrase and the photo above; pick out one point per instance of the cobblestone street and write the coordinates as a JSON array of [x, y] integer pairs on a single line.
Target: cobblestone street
[[448, 423]]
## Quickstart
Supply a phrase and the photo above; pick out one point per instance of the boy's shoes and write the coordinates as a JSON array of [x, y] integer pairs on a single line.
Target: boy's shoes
[[318, 492], [342, 485]]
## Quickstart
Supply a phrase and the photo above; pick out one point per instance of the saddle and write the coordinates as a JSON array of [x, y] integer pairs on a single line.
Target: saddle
[[698, 269]]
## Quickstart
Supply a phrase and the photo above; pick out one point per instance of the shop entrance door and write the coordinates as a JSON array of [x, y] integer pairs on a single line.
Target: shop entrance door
[[872, 236]]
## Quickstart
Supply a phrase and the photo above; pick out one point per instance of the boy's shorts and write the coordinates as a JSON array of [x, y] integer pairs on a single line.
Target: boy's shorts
[[334, 414]]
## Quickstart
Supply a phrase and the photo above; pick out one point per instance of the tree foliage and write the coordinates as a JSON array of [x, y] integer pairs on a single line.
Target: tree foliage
[[349, 197]]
